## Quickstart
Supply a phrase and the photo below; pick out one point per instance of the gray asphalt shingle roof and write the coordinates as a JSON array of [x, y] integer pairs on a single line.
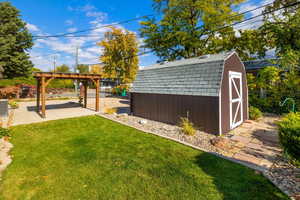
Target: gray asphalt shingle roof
[[199, 76]]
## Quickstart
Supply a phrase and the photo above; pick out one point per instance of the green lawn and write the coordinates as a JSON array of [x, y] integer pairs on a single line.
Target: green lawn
[[94, 158]]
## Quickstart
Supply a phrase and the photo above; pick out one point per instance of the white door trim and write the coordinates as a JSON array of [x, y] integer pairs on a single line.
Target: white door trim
[[239, 100]]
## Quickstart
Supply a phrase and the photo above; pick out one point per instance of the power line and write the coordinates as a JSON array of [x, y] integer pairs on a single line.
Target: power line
[[56, 52], [70, 34], [286, 6], [90, 29], [236, 23], [67, 34]]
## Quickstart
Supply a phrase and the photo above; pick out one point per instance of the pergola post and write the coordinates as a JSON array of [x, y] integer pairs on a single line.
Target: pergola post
[[43, 95], [85, 84], [97, 94], [38, 95]]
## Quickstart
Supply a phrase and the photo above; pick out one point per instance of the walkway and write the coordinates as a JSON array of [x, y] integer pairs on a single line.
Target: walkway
[[254, 142]]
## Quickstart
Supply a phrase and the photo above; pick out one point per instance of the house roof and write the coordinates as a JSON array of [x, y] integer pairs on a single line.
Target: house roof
[[199, 76], [257, 64]]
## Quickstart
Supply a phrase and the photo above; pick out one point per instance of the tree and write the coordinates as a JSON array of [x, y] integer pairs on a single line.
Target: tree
[[83, 69], [96, 69], [280, 32], [120, 55], [63, 69], [15, 41], [190, 28]]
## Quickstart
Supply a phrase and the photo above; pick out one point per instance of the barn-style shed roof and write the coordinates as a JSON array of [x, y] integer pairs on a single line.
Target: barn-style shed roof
[[200, 76]]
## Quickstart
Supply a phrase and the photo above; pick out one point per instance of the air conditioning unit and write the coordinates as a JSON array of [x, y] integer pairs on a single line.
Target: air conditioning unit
[[3, 107]]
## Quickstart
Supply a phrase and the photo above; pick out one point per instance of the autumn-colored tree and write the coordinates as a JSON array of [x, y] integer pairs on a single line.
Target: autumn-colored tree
[[190, 28], [96, 69], [120, 55], [83, 69], [63, 69]]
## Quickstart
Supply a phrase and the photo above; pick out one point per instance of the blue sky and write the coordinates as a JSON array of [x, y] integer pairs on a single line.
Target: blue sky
[[48, 17]]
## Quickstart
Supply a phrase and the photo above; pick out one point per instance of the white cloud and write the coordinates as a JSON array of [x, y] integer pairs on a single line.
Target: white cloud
[[72, 29], [32, 27], [85, 8], [257, 21], [69, 22], [97, 14]]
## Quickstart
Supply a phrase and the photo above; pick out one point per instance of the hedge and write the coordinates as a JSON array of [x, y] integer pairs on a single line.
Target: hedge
[[289, 135]]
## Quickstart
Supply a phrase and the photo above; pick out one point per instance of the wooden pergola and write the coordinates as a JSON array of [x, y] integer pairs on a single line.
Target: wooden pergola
[[44, 78]]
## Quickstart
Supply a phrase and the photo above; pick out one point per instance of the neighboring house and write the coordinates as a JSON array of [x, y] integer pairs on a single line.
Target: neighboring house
[[107, 83], [255, 65], [210, 90]]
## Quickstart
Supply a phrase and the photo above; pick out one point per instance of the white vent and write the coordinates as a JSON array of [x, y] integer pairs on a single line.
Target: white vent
[[204, 57], [164, 62]]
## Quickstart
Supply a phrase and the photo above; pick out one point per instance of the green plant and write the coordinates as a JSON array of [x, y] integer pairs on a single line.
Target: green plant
[[289, 135], [187, 126], [254, 113], [4, 132], [13, 104]]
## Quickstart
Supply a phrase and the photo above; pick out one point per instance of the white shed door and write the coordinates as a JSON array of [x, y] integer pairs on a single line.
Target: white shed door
[[236, 99]]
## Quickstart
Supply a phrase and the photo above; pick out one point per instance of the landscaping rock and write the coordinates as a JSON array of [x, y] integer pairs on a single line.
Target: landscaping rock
[[143, 121], [122, 115], [5, 158]]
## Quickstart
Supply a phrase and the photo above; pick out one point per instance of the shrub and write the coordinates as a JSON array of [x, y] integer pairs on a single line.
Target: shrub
[[110, 110], [4, 132], [254, 113], [9, 92], [13, 104], [17, 81], [289, 135], [187, 126]]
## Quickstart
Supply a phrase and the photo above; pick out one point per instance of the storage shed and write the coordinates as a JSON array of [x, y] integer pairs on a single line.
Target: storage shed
[[211, 90]]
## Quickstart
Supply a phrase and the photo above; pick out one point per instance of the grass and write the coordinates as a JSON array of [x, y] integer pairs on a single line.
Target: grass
[[94, 158]]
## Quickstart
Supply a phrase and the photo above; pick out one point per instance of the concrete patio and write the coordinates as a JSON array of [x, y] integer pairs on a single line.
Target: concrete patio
[[59, 109]]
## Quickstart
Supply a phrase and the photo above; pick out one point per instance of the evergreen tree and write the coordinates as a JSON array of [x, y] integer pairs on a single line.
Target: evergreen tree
[[15, 41]]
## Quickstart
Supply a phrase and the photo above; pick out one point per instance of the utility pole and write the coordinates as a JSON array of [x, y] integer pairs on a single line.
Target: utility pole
[[54, 63], [75, 68], [76, 59]]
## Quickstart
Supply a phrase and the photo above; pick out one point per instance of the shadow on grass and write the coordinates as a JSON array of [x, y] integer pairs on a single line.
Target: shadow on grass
[[236, 181]]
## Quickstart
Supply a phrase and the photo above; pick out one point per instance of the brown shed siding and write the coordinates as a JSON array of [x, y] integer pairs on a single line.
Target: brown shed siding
[[203, 110], [233, 63]]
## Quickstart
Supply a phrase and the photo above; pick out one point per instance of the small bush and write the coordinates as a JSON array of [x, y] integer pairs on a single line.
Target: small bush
[[9, 92], [187, 126], [13, 104], [4, 132], [289, 135], [110, 110], [254, 113]]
